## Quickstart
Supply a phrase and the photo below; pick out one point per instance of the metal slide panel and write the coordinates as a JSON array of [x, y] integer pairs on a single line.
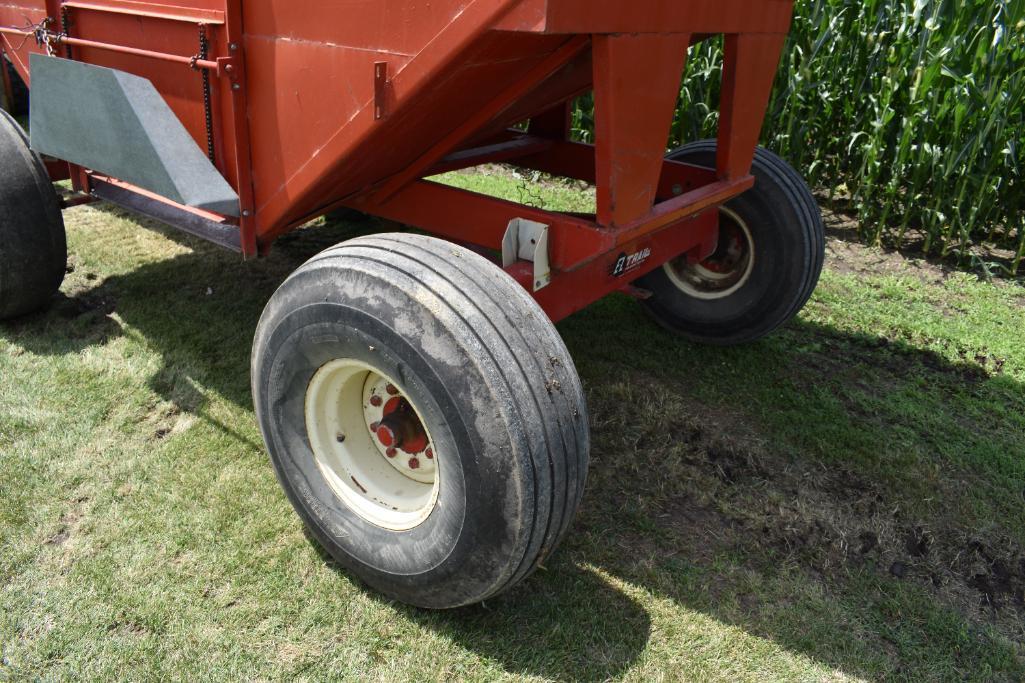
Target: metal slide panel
[[118, 124]]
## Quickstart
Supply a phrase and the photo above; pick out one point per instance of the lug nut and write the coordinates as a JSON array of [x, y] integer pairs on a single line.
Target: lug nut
[[414, 464], [391, 452], [376, 401], [429, 453], [391, 389]]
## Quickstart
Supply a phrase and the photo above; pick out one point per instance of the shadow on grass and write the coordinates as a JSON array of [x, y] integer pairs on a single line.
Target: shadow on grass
[[551, 629], [791, 476]]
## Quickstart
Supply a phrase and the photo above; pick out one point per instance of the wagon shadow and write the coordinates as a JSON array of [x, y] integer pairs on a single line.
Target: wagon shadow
[[668, 538], [547, 628]]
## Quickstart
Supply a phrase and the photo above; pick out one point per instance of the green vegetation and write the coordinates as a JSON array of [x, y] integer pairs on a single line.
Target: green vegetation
[[842, 501], [911, 111]]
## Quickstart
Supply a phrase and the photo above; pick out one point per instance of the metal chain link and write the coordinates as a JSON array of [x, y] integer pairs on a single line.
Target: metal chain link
[[204, 48]]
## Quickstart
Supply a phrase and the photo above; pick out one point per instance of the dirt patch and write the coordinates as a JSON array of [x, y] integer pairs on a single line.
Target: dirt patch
[[722, 489], [846, 254], [68, 523], [85, 305], [60, 537], [128, 627], [168, 419]]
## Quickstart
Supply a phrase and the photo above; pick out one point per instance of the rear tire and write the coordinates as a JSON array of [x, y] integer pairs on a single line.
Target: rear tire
[[393, 348], [33, 246], [772, 246]]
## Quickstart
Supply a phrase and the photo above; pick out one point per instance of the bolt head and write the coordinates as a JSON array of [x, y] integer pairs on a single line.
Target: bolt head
[[340, 438], [386, 436]]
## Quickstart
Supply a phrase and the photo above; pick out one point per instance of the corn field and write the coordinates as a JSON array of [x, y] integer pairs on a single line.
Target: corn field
[[911, 112]]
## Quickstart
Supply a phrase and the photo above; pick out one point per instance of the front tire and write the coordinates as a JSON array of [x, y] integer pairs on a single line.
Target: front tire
[[768, 263], [33, 246], [423, 416]]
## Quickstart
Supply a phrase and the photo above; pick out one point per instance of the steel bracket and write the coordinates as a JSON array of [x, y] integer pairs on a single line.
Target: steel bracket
[[527, 240], [380, 89], [227, 67]]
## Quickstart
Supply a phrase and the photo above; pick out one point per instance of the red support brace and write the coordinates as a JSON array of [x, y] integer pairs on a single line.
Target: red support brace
[[749, 70], [636, 87]]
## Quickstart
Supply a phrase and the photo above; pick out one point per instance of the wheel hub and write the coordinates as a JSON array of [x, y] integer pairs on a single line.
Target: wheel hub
[[726, 270], [371, 445], [397, 431]]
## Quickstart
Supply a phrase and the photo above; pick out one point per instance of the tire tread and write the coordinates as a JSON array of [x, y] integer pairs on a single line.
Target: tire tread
[[514, 328]]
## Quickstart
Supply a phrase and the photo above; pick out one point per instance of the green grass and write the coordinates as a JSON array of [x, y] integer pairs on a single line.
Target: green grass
[[747, 517]]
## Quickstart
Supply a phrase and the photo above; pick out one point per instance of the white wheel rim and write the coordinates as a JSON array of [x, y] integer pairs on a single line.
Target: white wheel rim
[[382, 482], [700, 281]]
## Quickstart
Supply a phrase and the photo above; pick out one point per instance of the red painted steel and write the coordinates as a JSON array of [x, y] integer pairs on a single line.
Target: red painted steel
[[630, 137], [193, 61], [317, 105], [697, 238]]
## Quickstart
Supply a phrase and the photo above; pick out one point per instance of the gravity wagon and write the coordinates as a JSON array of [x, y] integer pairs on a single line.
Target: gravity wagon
[[421, 412]]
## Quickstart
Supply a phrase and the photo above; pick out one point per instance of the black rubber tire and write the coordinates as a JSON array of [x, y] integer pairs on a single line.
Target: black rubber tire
[[19, 107], [33, 246], [786, 227], [497, 390]]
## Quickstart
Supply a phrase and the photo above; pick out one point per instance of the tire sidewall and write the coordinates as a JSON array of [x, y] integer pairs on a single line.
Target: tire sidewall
[[468, 531]]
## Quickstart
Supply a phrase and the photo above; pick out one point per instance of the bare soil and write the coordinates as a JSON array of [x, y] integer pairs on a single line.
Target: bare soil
[[741, 495]]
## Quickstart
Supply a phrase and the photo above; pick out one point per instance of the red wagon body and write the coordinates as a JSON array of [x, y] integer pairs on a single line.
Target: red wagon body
[[315, 105]]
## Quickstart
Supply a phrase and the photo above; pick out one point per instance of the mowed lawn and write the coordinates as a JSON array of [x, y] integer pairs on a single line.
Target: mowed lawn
[[842, 501]]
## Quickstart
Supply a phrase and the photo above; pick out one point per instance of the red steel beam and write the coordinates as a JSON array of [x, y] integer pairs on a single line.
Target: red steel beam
[[57, 40], [480, 118], [479, 219], [636, 85], [151, 10], [574, 242], [577, 160], [750, 63], [237, 130], [572, 291]]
